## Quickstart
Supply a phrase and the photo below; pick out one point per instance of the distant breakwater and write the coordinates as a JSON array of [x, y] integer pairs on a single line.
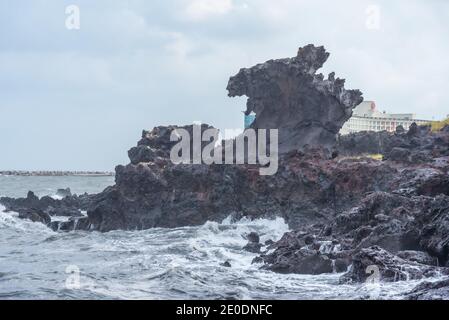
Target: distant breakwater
[[55, 173]]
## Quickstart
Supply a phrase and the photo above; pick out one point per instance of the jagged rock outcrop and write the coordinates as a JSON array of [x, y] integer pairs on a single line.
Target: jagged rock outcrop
[[161, 194], [418, 145], [414, 229], [155, 145], [407, 216], [46, 208], [345, 209], [288, 95]]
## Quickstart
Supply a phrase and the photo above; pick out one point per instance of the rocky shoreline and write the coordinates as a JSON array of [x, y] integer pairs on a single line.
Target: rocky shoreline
[[348, 211]]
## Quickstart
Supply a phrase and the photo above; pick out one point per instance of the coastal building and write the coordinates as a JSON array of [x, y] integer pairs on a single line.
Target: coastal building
[[366, 117]]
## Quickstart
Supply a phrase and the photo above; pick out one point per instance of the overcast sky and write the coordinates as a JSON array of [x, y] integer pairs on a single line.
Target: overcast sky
[[79, 99]]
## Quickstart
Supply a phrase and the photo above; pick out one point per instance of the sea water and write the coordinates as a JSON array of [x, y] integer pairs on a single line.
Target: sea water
[[181, 263]]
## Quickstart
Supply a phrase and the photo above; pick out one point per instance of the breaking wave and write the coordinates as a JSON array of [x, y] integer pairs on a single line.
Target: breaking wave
[[181, 263]]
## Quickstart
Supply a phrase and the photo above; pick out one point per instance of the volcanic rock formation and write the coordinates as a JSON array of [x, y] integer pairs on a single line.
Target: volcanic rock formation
[[288, 95], [345, 209]]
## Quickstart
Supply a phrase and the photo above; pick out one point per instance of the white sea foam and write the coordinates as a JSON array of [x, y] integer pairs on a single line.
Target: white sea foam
[[10, 221], [224, 241], [180, 263]]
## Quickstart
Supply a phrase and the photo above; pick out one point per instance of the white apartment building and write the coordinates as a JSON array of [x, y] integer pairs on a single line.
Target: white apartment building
[[366, 117]]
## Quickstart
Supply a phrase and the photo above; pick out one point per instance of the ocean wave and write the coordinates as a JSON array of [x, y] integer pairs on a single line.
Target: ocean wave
[[10, 221], [181, 263]]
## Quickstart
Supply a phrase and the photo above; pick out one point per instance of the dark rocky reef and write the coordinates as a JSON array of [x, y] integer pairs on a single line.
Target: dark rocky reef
[[398, 226], [288, 95], [155, 145], [72, 207], [347, 210]]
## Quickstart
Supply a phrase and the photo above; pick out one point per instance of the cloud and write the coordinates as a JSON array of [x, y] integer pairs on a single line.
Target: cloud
[[136, 64], [204, 9]]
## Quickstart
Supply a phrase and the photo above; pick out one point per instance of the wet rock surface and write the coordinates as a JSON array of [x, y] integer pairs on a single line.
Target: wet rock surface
[[254, 244], [438, 290], [46, 208], [384, 266]]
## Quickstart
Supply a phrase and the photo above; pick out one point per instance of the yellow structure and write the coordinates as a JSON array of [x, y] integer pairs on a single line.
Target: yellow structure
[[438, 125]]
